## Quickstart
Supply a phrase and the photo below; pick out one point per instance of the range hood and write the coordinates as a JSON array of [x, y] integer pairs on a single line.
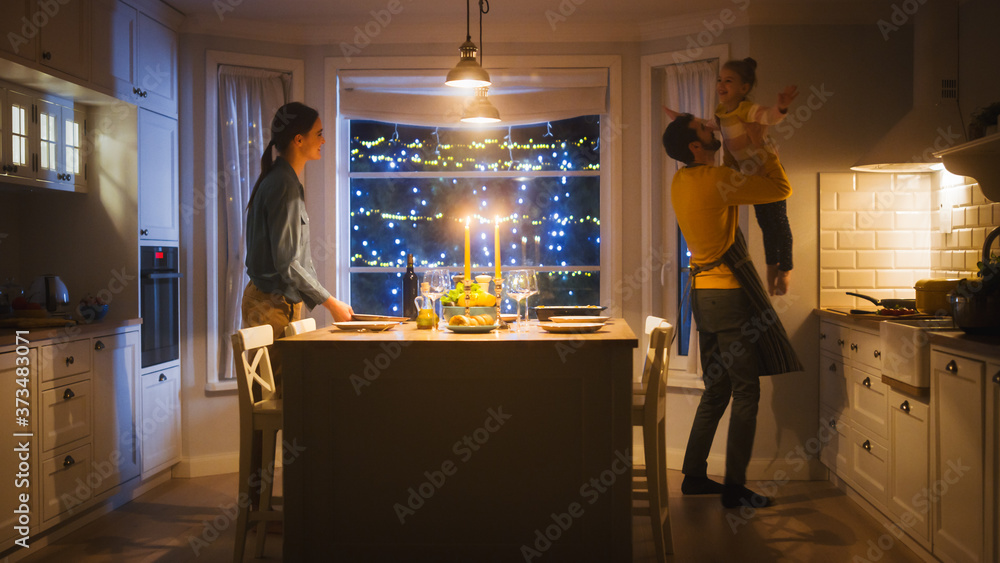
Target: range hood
[[934, 123]]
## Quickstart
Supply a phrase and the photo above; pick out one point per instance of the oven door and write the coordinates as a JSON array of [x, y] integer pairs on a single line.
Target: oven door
[[160, 310]]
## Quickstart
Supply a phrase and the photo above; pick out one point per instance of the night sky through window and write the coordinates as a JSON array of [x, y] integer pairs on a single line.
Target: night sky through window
[[412, 188]]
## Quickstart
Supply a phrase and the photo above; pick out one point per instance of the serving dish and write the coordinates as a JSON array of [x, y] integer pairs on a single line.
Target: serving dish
[[366, 325], [571, 327], [578, 319], [546, 312], [472, 329]]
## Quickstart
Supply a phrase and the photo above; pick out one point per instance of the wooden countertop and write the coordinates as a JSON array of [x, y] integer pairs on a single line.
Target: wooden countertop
[[35, 335], [615, 330], [978, 344]]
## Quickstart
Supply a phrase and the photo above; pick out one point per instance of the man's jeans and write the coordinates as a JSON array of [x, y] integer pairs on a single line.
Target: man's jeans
[[730, 368]]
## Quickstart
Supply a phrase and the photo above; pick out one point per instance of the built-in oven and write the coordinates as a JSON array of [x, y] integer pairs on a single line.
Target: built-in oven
[[159, 304]]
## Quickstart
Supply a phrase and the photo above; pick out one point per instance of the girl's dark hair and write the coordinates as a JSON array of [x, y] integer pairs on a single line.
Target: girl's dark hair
[[291, 119], [746, 69]]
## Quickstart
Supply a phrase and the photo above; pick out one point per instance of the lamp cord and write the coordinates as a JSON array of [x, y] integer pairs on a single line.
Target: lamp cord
[[468, 36], [481, 12]]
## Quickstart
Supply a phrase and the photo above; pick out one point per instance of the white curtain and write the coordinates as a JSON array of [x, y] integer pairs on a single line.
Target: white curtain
[[690, 87], [248, 100], [522, 96]]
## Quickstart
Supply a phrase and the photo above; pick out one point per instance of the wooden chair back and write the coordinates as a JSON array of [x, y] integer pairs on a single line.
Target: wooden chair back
[[253, 363], [307, 324]]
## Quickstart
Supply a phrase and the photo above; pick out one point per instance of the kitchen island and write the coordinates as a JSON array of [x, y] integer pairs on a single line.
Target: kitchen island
[[416, 445]]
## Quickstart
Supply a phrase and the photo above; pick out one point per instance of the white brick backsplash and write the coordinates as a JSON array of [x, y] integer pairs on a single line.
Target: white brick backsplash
[[935, 260], [996, 214], [876, 259], [913, 183], [828, 279], [895, 278], [855, 201], [837, 259], [836, 182], [979, 237], [912, 220], [985, 215], [963, 195], [873, 182], [965, 238], [856, 240], [856, 278], [957, 217], [957, 259], [871, 220], [922, 240], [977, 195], [922, 200], [972, 258], [896, 201], [836, 220], [836, 298], [972, 216], [912, 259], [828, 240], [902, 240], [827, 201]]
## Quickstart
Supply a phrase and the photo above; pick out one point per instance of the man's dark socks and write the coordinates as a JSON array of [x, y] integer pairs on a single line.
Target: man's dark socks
[[736, 496], [701, 486]]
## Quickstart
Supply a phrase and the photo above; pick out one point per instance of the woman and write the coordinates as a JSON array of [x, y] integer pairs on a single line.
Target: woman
[[279, 262]]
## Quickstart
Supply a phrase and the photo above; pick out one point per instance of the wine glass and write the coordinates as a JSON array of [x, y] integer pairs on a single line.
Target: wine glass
[[438, 283], [532, 287], [517, 286]]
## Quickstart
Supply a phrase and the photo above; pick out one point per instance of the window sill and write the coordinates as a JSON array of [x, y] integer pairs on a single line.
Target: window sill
[[221, 386]]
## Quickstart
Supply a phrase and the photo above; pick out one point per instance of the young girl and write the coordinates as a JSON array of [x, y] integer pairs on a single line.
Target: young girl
[[746, 145]]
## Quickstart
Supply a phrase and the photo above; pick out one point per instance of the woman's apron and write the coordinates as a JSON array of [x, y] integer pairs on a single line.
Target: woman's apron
[[775, 352]]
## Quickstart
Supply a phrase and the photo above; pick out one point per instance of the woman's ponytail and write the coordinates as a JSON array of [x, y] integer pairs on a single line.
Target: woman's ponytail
[[291, 119], [266, 162]]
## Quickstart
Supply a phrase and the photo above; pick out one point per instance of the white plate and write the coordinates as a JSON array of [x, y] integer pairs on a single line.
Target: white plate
[[366, 325], [571, 327], [581, 319], [381, 318]]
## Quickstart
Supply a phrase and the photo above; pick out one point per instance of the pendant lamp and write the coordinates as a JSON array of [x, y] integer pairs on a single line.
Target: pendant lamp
[[480, 109], [469, 73]]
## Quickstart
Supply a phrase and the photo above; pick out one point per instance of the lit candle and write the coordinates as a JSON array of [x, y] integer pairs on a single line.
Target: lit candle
[[468, 263], [496, 246]]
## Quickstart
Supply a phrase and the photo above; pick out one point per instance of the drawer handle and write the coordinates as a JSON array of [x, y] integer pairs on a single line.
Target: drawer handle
[[68, 394], [822, 336], [867, 445], [47, 55], [69, 461], [833, 423], [854, 347], [69, 361], [867, 382], [905, 407], [99, 346], [833, 367], [878, 354], [952, 367], [996, 378], [163, 377], [840, 342]]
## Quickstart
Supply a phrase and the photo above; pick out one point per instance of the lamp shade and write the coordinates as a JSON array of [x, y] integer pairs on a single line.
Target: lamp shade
[[468, 73], [480, 109]]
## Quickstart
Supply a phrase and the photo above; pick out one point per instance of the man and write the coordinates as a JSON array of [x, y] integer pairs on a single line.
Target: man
[[739, 334]]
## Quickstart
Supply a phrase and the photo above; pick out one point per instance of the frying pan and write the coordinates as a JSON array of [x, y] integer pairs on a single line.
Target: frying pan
[[888, 303]]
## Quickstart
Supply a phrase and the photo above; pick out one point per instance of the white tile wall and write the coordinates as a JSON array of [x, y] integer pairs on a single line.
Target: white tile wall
[[880, 233]]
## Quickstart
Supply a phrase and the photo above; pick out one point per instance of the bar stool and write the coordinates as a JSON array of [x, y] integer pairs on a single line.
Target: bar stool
[[649, 410], [307, 324], [263, 418]]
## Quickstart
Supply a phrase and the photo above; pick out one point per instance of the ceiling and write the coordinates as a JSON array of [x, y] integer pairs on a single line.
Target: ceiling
[[333, 21]]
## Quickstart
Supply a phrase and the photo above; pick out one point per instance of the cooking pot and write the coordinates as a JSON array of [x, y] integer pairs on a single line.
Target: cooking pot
[[888, 303], [976, 304], [932, 296], [48, 291]]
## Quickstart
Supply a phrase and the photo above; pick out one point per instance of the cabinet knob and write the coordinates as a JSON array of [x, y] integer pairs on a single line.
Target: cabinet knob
[[833, 367], [99, 346], [163, 377], [69, 361], [69, 461], [867, 382], [905, 407], [144, 232], [136, 90], [952, 367], [833, 423], [867, 445], [996, 378], [822, 336], [68, 394], [854, 347], [878, 354], [840, 342], [47, 55]]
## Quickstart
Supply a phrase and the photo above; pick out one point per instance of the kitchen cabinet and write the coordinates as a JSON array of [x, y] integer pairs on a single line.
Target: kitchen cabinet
[[63, 35], [159, 216], [964, 529], [44, 141], [134, 56], [160, 423], [992, 490], [20, 463], [18, 32], [116, 372], [909, 464]]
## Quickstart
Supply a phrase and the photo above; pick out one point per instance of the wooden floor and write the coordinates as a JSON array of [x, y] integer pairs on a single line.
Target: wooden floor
[[189, 520]]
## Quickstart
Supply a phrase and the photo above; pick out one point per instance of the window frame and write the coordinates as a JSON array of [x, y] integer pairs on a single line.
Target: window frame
[[336, 170]]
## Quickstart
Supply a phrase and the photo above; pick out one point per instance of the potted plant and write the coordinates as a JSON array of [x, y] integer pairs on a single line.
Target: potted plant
[[976, 302], [983, 119]]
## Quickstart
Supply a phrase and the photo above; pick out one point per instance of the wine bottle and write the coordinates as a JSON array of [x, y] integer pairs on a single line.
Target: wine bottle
[[410, 286]]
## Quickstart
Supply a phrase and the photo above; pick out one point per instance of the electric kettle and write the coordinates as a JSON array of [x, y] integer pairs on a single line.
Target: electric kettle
[[48, 291]]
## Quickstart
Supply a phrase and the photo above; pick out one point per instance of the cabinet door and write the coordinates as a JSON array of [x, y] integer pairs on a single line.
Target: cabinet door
[[909, 464], [20, 129], [19, 35], [116, 447], [160, 426], [871, 466], [158, 188], [64, 481], [865, 349], [73, 165], [835, 434], [993, 452], [20, 467], [66, 414], [157, 70], [869, 401], [113, 48], [49, 143], [957, 389], [833, 338], [64, 38], [833, 384]]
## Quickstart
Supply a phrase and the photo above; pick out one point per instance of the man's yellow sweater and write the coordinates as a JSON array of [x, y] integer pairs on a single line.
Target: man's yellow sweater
[[706, 200]]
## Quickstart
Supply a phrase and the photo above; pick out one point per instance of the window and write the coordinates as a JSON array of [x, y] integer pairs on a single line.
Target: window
[[412, 188]]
